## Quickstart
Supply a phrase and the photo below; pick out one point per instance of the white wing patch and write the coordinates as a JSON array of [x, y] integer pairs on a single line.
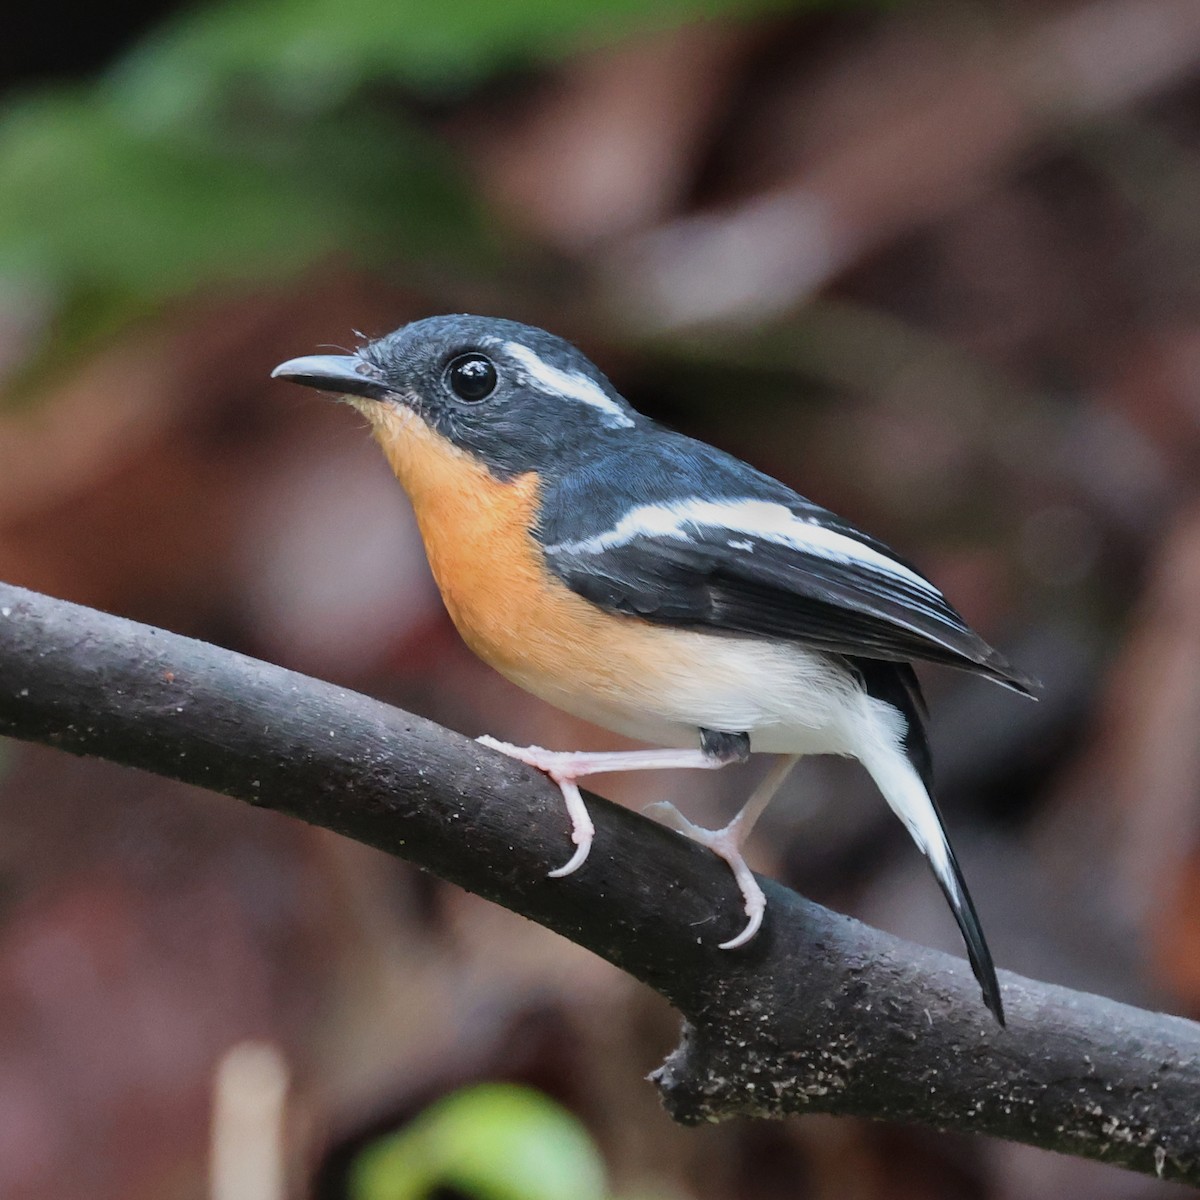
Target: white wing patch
[[758, 518], [569, 384]]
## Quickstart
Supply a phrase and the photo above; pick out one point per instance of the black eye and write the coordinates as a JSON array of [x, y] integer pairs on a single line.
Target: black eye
[[472, 377]]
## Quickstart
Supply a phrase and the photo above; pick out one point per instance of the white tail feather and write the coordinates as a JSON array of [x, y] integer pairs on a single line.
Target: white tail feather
[[884, 758]]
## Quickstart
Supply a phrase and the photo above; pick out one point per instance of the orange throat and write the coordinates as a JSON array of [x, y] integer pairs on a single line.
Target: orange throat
[[477, 532]]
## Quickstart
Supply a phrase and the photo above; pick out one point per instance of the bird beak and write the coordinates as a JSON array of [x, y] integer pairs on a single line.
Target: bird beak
[[346, 374]]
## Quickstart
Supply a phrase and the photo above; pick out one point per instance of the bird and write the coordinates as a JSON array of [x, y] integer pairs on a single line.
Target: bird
[[657, 586]]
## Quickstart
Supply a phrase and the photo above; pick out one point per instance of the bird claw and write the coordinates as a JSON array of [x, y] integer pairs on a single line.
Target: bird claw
[[726, 844], [755, 904], [583, 849], [550, 762]]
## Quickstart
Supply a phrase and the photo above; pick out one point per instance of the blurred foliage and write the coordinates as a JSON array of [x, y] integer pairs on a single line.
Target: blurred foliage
[[308, 51], [110, 220], [244, 141], [491, 1142]]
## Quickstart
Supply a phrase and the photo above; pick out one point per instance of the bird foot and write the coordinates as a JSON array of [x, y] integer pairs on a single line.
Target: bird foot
[[562, 768], [726, 843]]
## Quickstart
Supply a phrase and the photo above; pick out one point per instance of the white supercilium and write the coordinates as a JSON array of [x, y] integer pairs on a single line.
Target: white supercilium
[[569, 384]]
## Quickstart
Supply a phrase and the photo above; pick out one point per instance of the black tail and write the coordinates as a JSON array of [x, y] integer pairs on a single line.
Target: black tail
[[963, 908], [896, 684]]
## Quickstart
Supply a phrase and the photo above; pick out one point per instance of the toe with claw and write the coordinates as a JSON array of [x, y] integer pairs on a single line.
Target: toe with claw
[[552, 763], [726, 844]]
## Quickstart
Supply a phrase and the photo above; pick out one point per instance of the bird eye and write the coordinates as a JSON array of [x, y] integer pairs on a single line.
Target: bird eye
[[472, 377]]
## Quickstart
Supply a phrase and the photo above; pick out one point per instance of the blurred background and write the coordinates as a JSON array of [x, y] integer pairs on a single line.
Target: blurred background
[[936, 265]]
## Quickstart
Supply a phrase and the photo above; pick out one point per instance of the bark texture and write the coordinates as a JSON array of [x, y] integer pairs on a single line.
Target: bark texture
[[819, 1014]]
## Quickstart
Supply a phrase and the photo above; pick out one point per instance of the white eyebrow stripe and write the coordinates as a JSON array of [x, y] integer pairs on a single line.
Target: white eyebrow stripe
[[759, 518], [570, 384]]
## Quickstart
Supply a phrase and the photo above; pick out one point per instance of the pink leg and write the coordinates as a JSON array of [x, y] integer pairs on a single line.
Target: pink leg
[[565, 768], [727, 842]]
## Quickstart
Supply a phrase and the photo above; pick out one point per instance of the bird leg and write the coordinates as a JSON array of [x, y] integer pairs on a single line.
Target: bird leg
[[565, 768], [727, 842]]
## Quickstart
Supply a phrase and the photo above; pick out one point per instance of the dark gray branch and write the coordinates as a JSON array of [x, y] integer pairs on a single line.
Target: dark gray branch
[[819, 1013]]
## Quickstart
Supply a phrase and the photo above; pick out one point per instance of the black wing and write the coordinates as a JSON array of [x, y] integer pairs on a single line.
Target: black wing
[[676, 532]]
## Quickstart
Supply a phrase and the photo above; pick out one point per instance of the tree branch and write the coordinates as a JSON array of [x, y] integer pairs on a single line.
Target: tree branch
[[818, 1014]]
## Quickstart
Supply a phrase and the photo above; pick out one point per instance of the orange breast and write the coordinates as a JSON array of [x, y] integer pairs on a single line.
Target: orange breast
[[512, 612]]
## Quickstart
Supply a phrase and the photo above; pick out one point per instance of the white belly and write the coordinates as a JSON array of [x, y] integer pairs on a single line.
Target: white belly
[[789, 699]]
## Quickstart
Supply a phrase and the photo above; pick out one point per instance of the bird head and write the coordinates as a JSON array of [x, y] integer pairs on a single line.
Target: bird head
[[512, 396]]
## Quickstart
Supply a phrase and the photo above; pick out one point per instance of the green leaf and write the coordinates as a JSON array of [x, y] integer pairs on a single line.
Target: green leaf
[[246, 140], [85, 199], [320, 50], [493, 1142]]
